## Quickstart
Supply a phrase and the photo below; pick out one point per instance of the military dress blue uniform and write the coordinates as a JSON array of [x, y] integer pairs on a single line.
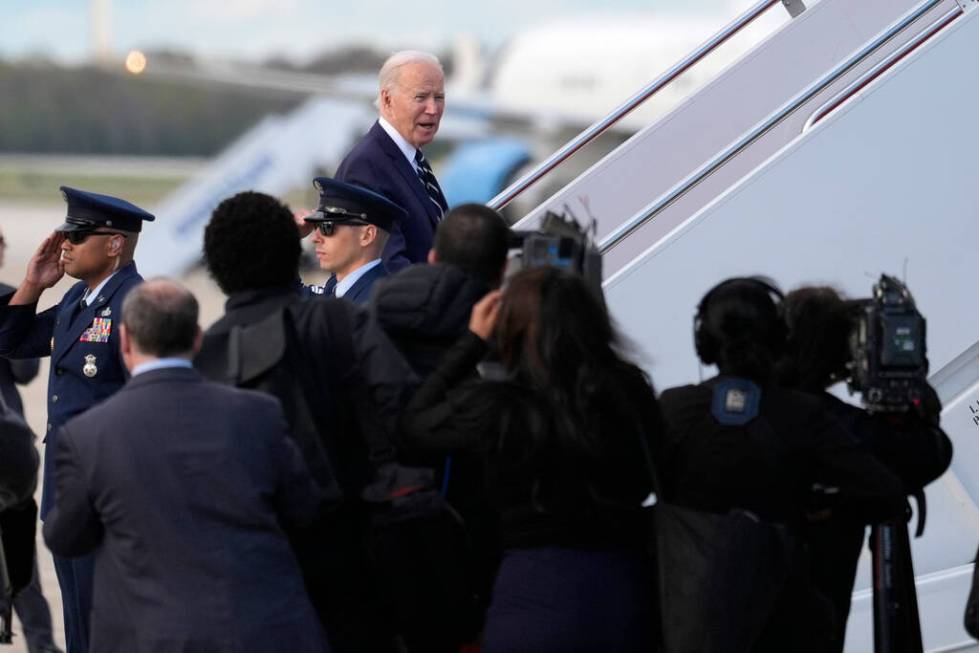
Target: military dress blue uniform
[[360, 292], [86, 367]]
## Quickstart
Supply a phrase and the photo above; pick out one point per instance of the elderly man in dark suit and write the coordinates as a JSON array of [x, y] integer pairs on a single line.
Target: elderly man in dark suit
[[350, 228], [389, 160], [182, 488]]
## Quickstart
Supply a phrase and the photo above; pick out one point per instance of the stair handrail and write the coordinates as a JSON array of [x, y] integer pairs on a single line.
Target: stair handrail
[[693, 179], [604, 124], [881, 67]]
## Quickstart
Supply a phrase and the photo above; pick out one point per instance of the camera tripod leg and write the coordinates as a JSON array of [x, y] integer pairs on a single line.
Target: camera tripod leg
[[897, 628]]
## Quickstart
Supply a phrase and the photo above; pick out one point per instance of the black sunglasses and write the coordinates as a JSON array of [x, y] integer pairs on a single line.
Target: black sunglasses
[[78, 237], [329, 227]]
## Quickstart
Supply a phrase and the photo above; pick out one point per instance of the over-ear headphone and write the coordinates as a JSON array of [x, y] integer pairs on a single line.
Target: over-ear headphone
[[704, 342]]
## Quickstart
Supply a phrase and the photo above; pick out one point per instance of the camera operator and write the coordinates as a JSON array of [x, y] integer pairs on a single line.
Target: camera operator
[[425, 308], [911, 444], [447, 566], [737, 444]]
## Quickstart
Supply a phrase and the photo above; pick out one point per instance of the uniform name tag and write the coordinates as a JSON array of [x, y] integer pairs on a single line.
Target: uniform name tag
[[99, 331]]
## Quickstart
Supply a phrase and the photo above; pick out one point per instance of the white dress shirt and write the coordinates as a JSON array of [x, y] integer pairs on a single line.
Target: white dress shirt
[[90, 295], [406, 148], [349, 280]]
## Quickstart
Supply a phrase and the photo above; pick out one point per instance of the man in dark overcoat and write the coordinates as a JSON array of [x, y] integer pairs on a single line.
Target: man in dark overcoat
[[182, 488]]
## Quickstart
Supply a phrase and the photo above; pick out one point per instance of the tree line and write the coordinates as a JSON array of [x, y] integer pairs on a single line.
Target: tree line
[[46, 108]]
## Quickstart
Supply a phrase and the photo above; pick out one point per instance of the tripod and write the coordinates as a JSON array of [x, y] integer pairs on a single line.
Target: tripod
[[897, 628]]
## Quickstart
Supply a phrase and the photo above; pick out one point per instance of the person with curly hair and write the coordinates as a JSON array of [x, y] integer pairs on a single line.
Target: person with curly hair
[[341, 383]]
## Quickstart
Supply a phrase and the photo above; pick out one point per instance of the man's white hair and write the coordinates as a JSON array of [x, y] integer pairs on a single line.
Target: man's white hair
[[388, 77]]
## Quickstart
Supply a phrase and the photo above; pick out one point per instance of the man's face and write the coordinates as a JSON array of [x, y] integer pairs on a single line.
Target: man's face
[[415, 104], [92, 257], [341, 252]]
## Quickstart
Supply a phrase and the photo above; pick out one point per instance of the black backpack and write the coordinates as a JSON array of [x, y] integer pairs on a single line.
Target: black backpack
[[732, 582]]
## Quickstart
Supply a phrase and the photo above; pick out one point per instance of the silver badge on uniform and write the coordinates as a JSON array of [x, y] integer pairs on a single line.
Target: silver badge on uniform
[[107, 312], [89, 369]]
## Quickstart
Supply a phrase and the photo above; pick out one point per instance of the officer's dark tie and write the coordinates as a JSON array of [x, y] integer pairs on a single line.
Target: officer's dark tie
[[80, 306], [430, 183]]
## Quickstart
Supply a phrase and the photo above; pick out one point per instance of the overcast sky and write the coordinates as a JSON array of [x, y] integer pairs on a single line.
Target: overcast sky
[[297, 29]]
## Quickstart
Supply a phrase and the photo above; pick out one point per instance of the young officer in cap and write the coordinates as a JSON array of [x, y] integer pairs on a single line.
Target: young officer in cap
[[350, 229], [95, 245]]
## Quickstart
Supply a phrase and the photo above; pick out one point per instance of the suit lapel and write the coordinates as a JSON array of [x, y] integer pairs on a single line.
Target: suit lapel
[[391, 149], [74, 330], [361, 287], [62, 327]]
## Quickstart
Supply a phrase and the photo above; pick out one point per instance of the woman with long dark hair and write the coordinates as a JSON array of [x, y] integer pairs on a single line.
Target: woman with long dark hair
[[566, 437]]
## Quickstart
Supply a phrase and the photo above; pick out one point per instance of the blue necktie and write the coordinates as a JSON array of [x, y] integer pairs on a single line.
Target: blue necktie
[[431, 184]]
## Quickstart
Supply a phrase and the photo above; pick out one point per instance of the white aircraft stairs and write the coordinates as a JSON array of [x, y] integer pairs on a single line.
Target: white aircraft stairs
[[843, 146]]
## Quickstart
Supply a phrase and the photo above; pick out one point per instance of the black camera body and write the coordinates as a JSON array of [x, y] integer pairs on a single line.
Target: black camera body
[[559, 242], [888, 361]]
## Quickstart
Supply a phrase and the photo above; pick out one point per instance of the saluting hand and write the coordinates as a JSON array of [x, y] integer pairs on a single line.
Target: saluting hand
[[482, 321], [43, 271], [46, 268], [305, 228]]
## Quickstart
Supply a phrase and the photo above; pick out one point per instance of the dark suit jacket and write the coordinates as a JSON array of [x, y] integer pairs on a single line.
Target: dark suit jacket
[[360, 292], [179, 485], [88, 340], [356, 385], [377, 163]]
